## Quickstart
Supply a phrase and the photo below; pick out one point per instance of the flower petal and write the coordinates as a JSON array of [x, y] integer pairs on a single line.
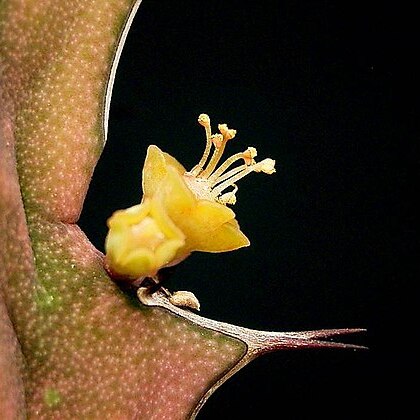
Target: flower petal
[[130, 216], [170, 160], [179, 201], [204, 223], [213, 214], [139, 262], [142, 239], [155, 169], [227, 237]]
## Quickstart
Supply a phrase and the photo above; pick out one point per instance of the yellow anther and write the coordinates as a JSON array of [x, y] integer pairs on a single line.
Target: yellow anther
[[227, 133], [266, 166], [204, 120], [217, 140], [229, 197], [249, 155]]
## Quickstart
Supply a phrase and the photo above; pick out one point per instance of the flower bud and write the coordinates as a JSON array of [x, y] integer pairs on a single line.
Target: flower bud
[[141, 240]]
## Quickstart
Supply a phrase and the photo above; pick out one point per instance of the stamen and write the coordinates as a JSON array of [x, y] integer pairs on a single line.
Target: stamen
[[217, 140], [228, 174], [209, 183], [266, 166], [203, 120], [247, 156], [228, 133], [229, 197], [219, 144]]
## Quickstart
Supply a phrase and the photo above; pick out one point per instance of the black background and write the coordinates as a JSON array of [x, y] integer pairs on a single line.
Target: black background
[[320, 86]]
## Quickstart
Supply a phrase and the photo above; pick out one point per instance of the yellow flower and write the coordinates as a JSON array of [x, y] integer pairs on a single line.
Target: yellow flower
[[181, 211], [141, 240]]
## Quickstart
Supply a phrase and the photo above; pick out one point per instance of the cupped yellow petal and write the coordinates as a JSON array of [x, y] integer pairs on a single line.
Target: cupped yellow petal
[[160, 216], [178, 199], [198, 219], [115, 245], [170, 251], [227, 237], [155, 169], [139, 262], [141, 240], [130, 216], [212, 214], [205, 219], [171, 161]]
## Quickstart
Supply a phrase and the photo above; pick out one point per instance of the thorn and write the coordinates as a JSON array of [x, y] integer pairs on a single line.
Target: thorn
[[258, 342], [267, 342]]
